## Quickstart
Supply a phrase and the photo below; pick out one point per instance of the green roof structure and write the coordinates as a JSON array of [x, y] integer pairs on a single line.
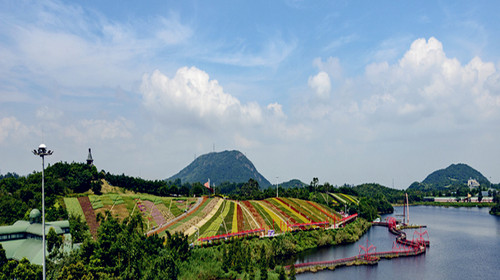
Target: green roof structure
[[24, 239]]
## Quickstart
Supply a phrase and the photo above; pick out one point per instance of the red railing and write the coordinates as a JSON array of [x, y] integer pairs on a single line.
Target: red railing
[[229, 235]]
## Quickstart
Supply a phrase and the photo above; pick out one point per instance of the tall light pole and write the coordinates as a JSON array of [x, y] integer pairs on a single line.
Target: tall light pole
[[42, 152]]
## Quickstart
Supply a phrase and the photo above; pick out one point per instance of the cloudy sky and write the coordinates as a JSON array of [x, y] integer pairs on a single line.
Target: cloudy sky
[[346, 91]]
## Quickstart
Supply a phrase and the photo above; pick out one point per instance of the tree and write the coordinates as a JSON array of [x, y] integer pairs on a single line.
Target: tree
[[79, 229], [263, 273], [54, 242], [163, 267], [281, 273], [292, 272], [27, 271], [75, 271], [480, 196], [3, 257]]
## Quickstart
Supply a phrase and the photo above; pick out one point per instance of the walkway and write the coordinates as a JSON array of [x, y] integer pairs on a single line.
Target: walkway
[[405, 248]]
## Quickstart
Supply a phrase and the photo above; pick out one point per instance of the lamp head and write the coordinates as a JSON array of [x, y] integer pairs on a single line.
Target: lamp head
[[42, 149]]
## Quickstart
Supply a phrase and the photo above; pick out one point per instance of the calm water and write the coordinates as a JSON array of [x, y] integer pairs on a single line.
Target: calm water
[[465, 244]]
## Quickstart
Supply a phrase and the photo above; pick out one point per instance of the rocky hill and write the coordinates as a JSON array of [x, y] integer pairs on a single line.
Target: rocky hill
[[227, 166], [453, 175]]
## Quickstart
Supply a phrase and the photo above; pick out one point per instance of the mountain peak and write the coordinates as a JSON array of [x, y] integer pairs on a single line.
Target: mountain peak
[[455, 174], [227, 166]]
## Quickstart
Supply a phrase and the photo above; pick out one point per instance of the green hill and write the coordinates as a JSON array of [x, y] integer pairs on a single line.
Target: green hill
[[227, 166], [453, 175], [377, 190], [294, 183]]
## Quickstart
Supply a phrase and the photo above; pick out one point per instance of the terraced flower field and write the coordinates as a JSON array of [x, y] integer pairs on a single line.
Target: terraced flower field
[[208, 217]]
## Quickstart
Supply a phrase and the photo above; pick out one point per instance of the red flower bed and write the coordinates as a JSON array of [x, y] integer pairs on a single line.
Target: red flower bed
[[89, 215], [255, 214], [239, 214]]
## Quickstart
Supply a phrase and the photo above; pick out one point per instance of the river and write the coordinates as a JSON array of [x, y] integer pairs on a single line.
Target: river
[[465, 244]]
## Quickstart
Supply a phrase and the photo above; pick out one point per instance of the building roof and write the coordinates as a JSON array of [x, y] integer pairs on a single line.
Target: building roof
[[34, 228], [31, 248]]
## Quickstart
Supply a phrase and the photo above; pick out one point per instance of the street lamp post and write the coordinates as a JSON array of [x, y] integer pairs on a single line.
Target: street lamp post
[[42, 152]]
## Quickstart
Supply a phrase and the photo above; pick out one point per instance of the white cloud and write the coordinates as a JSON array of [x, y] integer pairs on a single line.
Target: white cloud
[[91, 130], [191, 95], [320, 84], [172, 31], [12, 127], [270, 54], [425, 81], [46, 113], [425, 92], [331, 66], [76, 48]]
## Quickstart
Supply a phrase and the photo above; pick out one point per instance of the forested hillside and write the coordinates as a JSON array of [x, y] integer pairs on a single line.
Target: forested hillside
[[20, 194], [227, 166]]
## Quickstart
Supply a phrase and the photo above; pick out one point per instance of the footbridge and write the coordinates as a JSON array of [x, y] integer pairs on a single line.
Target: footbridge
[[402, 247]]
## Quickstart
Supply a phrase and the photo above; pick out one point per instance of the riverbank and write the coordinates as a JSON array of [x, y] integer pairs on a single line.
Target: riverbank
[[247, 257], [451, 204]]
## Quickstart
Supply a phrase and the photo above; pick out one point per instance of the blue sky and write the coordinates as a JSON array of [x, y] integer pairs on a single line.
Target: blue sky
[[346, 91]]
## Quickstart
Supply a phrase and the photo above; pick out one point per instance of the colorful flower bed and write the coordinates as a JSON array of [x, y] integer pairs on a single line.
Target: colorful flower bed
[[230, 216], [185, 219], [324, 211], [302, 210], [155, 213], [255, 214], [316, 214], [338, 198], [234, 227], [277, 221], [274, 206], [211, 227], [348, 198], [265, 216], [290, 209], [207, 216]]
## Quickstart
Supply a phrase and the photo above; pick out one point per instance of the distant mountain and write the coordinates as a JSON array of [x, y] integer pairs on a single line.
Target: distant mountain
[[227, 166], [294, 183], [455, 174]]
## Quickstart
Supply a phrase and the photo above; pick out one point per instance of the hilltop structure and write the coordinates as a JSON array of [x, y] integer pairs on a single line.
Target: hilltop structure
[[23, 239], [90, 161]]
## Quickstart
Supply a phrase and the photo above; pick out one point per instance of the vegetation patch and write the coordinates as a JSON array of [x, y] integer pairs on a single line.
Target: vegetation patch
[[73, 206], [96, 202]]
